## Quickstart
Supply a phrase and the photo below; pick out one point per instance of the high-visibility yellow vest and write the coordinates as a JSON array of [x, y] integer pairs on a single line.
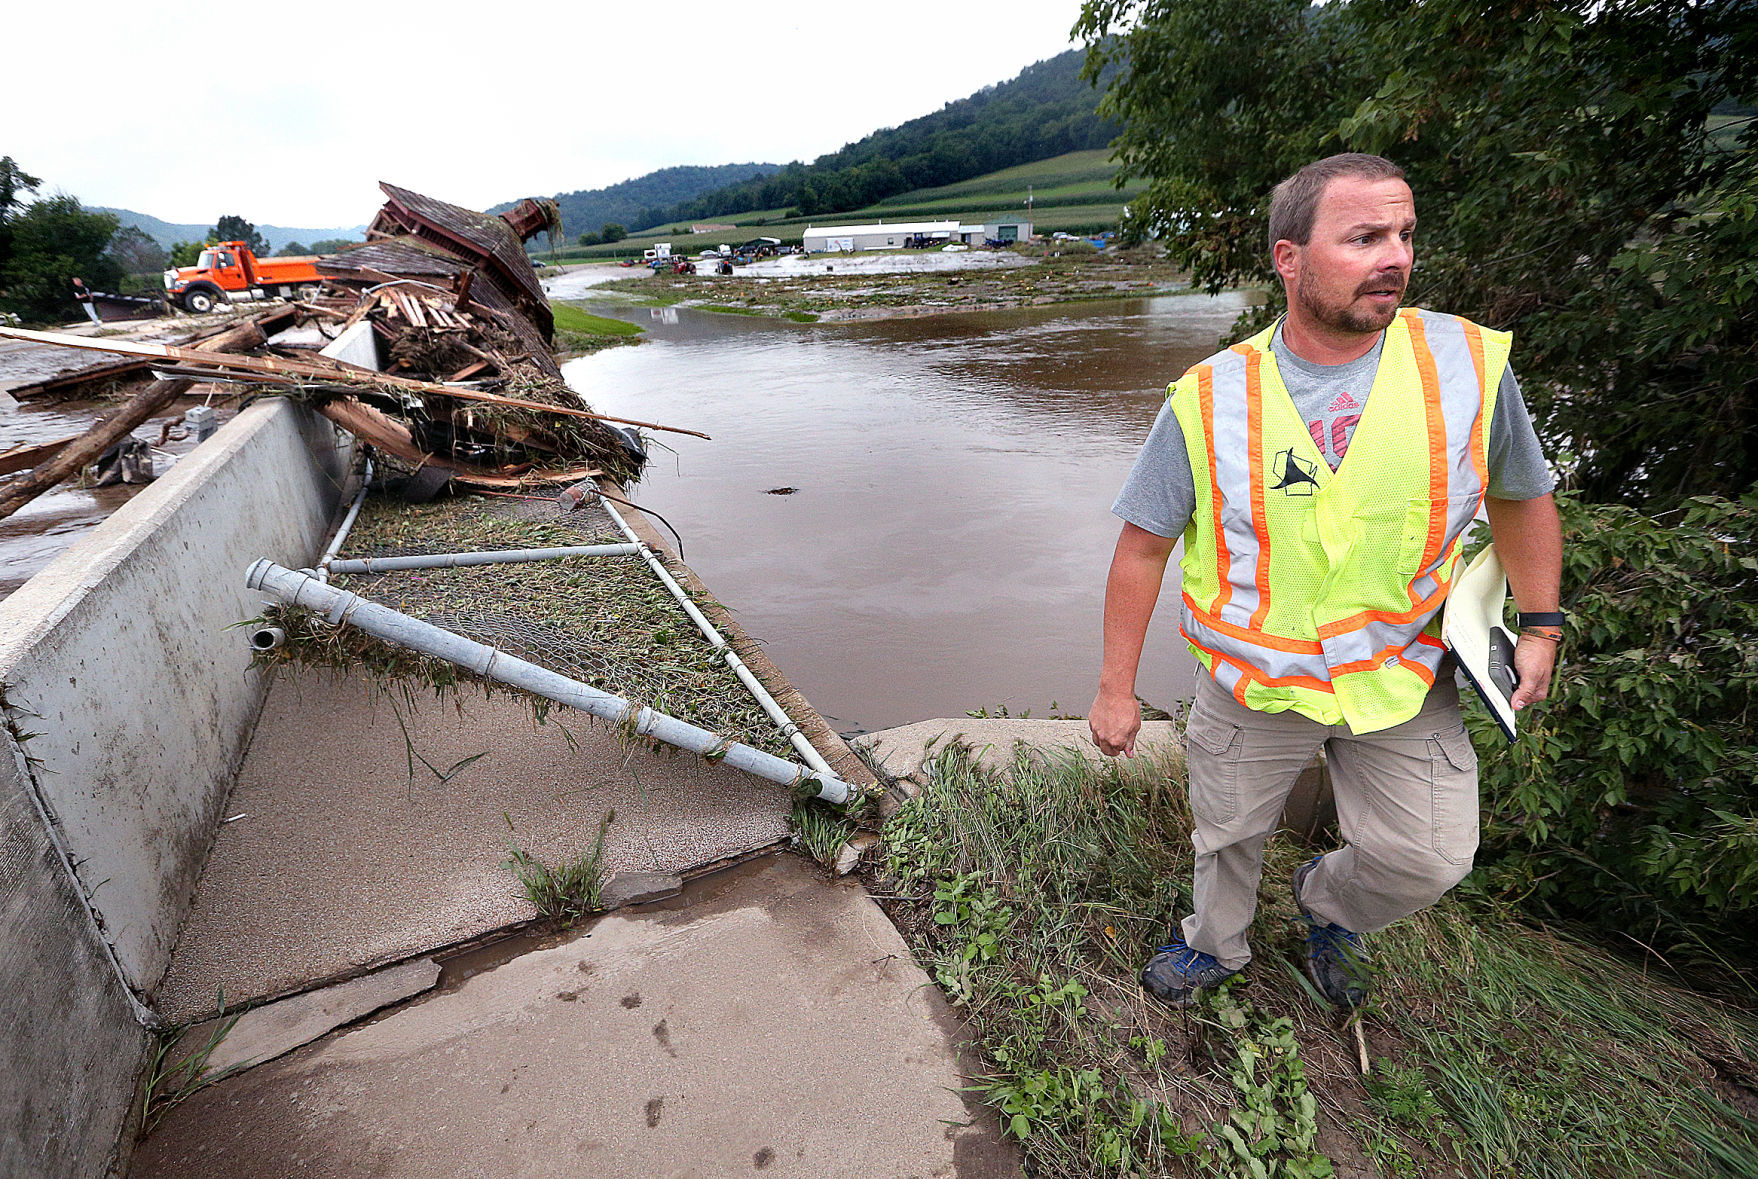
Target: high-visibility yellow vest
[[1321, 591]]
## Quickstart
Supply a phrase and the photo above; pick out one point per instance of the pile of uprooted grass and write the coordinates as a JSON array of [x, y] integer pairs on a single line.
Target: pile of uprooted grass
[[1034, 894], [606, 621]]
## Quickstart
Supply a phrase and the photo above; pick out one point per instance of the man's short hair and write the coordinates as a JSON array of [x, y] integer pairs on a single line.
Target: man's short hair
[[1294, 203]]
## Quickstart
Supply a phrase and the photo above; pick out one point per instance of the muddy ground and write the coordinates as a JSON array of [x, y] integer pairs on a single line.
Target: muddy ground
[[1047, 275]]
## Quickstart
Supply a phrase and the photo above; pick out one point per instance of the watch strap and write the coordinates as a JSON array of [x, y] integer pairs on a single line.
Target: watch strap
[[1548, 618]]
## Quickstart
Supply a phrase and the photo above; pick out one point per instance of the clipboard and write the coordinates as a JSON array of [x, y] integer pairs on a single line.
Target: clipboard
[[1473, 624]]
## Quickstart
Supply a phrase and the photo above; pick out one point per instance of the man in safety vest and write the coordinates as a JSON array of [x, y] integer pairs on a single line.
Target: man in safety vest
[[1322, 475]]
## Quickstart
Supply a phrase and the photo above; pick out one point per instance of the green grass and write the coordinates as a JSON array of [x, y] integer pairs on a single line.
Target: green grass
[[821, 828], [1033, 896], [171, 1082], [569, 318], [570, 890], [578, 331]]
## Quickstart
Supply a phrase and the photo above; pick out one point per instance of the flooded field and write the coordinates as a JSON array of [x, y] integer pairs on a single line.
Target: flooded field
[[912, 515]]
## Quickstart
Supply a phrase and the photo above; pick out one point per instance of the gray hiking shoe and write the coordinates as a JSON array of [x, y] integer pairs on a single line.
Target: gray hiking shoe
[[1177, 972], [1335, 961]]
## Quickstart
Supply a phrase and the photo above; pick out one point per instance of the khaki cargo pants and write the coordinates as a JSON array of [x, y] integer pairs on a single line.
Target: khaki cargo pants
[[1406, 804]]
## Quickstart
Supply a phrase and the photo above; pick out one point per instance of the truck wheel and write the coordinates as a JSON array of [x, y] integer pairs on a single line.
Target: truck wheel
[[307, 291], [199, 300]]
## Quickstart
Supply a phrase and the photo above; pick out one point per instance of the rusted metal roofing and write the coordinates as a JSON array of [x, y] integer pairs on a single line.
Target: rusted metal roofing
[[407, 255], [474, 235], [487, 295]]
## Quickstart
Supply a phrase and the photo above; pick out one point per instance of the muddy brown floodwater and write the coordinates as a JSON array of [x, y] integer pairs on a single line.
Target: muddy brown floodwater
[[41, 530], [946, 542]]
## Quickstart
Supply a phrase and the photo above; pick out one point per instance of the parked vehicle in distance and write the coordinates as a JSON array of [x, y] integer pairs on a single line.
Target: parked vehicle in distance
[[230, 270], [656, 251]]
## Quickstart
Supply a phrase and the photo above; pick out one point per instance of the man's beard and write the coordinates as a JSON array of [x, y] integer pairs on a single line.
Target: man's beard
[[1348, 318]]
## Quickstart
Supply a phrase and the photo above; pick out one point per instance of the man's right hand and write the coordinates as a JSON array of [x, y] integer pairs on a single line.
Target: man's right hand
[[1114, 720]]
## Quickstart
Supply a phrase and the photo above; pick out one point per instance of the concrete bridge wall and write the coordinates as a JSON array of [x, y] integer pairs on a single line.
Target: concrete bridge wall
[[117, 660]]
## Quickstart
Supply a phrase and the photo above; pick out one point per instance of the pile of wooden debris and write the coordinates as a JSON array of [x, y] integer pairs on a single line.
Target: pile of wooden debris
[[439, 356]]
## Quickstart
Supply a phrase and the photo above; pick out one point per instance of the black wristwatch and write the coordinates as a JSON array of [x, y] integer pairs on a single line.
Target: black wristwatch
[[1548, 618]]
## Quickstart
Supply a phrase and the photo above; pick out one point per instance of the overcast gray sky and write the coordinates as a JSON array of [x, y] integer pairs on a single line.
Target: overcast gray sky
[[290, 114]]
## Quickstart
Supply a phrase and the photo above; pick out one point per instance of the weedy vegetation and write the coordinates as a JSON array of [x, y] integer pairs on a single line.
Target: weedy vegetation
[[569, 891], [172, 1079], [1034, 894], [820, 828]]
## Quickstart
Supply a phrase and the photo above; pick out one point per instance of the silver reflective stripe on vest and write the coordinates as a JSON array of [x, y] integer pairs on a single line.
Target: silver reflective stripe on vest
[[1272, 662], [1232, 474]]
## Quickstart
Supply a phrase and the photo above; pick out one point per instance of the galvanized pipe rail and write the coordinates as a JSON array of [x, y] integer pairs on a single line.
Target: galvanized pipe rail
[[486, 557], [298, 587]]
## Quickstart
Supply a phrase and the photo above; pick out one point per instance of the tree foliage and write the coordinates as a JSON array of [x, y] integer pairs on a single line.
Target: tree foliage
[[612, 232], [233, 228], [186, 253], [14, 183], [1570, 182], [137, 253], [625, 201], [1632, 798], [51, 241], [332, 245]]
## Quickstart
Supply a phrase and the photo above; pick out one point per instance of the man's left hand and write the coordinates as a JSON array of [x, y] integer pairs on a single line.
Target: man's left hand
[[1534, 660]]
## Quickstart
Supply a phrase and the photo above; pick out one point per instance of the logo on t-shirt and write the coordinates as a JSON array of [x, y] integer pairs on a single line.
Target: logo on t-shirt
[[1297, 477], [1344, 401]]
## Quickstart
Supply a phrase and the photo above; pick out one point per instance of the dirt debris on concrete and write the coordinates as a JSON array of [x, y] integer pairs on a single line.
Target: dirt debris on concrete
[[762, 1021]]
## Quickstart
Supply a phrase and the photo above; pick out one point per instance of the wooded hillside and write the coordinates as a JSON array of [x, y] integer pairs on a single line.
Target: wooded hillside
[[1046, 111], [627, 203]]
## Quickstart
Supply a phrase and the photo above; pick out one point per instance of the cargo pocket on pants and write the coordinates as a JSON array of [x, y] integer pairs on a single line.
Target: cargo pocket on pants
[[1213, 756], [1453, 787]]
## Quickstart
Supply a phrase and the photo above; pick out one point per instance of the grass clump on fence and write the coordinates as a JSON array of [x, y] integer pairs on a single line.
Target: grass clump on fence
[[1033, 895]]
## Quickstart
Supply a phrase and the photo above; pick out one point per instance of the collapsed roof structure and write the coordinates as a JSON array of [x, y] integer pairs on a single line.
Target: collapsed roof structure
[[449, 367]]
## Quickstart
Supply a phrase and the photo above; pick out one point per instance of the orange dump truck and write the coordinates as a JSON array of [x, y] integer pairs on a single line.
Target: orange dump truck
[[229, 270]]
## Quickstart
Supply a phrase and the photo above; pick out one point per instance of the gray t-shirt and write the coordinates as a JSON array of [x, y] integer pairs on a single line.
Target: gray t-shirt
[[1160, 493]]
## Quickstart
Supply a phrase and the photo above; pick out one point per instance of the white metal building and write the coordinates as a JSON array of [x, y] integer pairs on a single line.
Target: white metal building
[[850, 238], [1005, 229]]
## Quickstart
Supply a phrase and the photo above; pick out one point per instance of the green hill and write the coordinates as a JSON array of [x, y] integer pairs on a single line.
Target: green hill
[[1046, 111], [588, 210], [168, 233]]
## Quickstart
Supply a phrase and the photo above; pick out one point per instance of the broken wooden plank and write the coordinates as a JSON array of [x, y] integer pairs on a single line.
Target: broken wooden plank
[[252, 333], [23, 458], [468, 370], [220, 364], [395, 439]]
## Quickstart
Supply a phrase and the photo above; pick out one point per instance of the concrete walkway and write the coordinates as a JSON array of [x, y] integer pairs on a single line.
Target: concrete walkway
[[767, 1020], [334, 859]]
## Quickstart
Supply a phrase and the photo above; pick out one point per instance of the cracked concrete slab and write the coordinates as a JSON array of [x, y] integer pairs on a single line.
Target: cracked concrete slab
[[342, 861], [769, 1019], [274, 1029]]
